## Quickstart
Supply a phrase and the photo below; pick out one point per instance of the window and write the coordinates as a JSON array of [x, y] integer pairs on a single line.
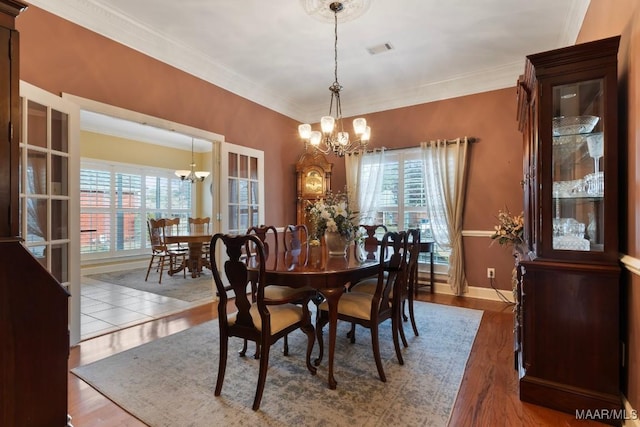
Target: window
[[402, 203], [117, 199]]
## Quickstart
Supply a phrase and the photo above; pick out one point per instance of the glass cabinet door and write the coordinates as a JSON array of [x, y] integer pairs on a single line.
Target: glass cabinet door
[[577, 166]]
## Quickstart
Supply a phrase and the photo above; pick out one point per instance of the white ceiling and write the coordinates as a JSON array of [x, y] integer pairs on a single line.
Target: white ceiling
[[273, 53]]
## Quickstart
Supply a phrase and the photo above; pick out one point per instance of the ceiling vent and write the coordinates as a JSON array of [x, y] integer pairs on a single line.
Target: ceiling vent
[[385, 47]]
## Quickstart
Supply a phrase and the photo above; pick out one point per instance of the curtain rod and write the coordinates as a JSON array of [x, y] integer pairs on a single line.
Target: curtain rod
[[470, 139]]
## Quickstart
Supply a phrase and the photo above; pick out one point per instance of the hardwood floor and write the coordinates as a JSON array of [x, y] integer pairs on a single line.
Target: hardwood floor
[[488, 395]]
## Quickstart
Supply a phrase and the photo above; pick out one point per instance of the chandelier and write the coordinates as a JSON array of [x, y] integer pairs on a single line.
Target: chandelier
[[191, 175], [333, 138]]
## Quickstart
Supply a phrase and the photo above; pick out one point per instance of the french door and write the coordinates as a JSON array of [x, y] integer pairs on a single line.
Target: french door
[[241, 188], [49, 207]]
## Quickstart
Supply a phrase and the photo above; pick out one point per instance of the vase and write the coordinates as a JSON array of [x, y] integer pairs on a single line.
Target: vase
[[336, 243], [360, 253], [520, 252]]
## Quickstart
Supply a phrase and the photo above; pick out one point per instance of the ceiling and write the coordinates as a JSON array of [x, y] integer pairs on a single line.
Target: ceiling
[[277, 55]]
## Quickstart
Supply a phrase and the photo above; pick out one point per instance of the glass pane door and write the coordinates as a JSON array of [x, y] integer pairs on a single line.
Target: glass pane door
[[44, 197], [48, 203], [242, 197], [578, 175]]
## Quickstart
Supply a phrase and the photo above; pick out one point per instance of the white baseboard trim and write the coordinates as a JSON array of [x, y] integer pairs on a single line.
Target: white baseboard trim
[[110, 267], [475, 292], [630, 263]]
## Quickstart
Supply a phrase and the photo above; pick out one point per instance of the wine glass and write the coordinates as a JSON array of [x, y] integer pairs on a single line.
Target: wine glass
[[595, 143]]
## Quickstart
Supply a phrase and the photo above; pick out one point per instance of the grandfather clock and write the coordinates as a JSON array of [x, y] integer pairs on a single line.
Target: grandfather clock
[[313, 173], [34, 334]]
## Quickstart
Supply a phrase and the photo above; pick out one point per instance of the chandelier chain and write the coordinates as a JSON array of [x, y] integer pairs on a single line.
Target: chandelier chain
[[333, 137]]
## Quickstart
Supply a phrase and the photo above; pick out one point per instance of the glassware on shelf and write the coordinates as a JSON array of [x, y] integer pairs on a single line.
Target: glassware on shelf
[[569, 234], [595, 144], [594, 183], [573, 125]]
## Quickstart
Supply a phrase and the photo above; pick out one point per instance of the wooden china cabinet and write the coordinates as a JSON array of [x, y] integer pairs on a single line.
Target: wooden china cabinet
[[568, 344], [34, 335]]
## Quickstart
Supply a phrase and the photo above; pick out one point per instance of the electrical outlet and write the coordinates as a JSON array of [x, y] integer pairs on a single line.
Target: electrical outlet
[[491, 273]]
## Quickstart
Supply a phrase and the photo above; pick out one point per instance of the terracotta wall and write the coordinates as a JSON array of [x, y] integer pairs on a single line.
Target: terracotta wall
[[604, 19]]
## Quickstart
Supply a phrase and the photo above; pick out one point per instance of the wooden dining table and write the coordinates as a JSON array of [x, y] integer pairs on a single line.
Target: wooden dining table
[[328, 274], [195, 261]]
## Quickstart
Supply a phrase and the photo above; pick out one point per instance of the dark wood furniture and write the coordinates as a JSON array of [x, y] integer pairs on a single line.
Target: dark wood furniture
[[369, 309], [34, 333], [268, 235], [313, 182], [568, 345], [426, 247], [371, 241], [329, 275], [296, 237], [276, 318]]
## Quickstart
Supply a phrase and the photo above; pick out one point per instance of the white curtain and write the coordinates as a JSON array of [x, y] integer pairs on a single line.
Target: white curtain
[[364, 183], [445, 169]]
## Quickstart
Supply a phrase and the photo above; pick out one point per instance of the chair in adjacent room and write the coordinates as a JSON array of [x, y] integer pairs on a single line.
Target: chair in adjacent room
[[255, 318], [172, 228], [371, 309], [160, 252]]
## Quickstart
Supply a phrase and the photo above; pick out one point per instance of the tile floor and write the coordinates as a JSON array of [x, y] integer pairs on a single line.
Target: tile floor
[[106, 307]]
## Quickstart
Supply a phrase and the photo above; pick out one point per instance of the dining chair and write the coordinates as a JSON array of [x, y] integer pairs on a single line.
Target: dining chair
[[407, 282], [410, 280], [371, 309], [268, 235], [160, 252], [172, 228], [202, 226], [256, 318], [371, 240], [296, 237]]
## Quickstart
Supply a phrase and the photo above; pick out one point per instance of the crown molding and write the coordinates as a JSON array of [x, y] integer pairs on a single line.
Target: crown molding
[[122, 29]]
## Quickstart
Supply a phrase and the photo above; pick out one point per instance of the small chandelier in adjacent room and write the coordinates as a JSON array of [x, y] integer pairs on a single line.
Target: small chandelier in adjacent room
[[333, 138], [191, 175]]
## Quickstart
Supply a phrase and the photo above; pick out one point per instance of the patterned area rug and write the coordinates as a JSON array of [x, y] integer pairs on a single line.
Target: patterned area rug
[[176, 286], [170, 381]]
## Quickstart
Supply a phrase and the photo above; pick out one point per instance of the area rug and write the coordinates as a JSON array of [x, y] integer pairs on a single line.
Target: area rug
[[170, 381], [186, 289]]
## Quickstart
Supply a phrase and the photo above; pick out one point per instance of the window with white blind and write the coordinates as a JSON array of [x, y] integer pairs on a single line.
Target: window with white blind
[[116, 200], [403, 202]]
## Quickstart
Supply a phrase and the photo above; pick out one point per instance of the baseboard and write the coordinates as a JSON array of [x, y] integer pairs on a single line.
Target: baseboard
[[594, 405], [111, 267], [475, 292]]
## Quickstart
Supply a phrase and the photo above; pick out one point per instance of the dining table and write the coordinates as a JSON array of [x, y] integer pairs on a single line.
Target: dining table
[[194, 261], [329, 275]]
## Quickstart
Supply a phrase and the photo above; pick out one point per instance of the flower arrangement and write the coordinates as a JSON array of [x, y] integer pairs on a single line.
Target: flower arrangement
[[332, 214], [510, 228]]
